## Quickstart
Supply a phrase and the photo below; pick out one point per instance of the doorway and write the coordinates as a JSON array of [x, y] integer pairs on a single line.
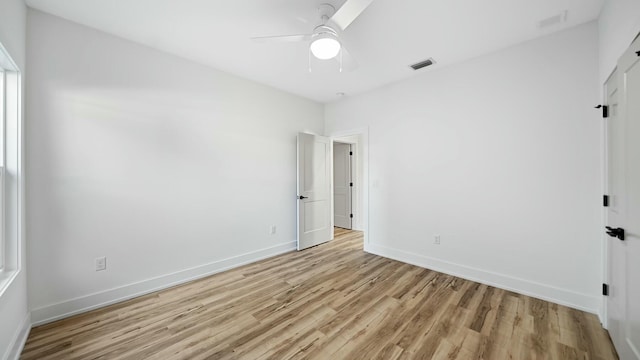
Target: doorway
[[357, 142]]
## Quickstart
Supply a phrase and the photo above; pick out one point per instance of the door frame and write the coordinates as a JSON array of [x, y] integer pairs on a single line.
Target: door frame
[[362, 160]]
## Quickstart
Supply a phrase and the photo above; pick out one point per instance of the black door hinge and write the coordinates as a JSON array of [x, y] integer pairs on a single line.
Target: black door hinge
[[638, 53], [350, 152], [605, 110], [605, 289], [351, 216], [605, 200], [351, 184]]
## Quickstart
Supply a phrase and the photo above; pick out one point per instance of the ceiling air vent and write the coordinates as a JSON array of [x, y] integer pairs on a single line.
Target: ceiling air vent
[[422, 64]]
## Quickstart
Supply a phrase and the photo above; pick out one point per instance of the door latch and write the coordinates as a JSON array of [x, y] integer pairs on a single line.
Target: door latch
[[617, 232]]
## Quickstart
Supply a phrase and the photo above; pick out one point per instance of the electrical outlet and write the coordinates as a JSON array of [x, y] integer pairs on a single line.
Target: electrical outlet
[[272, 230], [436, 239], [101, 263]]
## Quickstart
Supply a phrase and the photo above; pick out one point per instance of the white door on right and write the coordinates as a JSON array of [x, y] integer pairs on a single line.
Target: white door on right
[[615, 211], [623, 304], [342, 185]]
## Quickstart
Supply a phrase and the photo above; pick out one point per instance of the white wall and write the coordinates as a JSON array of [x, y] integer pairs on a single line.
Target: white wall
[[14, 316], [498, 155], [618, 25], [170, 169]]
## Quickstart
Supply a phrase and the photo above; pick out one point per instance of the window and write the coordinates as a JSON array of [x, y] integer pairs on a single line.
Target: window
[[2, 116], [10, 169]]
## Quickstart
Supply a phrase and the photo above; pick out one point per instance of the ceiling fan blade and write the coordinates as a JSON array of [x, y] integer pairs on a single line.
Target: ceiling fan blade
[[349, 12], [349, 63], [282, 38]]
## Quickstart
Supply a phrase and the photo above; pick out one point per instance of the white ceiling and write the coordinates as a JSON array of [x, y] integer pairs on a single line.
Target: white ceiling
[[385, 39]]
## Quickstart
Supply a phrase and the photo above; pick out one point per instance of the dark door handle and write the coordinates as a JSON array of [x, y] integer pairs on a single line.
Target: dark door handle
[[617, 232], [302, 197]]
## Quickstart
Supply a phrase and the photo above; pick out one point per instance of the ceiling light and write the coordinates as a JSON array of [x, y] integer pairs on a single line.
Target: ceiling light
[[325, 44], [325, 48]]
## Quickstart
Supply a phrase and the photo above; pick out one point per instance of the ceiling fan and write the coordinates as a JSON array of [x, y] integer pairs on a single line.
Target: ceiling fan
[[324, 41]]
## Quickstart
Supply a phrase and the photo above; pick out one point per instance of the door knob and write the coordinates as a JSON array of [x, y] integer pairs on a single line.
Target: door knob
[[302, 197], [617, 232]]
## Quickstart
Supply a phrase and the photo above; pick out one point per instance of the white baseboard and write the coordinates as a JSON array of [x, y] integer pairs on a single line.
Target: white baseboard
[[93, 301], [602, 314], [556, 295], [19, 339]]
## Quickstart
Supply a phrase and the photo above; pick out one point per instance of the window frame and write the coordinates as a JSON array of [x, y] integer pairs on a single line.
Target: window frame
[[11, 180], [3, 247]]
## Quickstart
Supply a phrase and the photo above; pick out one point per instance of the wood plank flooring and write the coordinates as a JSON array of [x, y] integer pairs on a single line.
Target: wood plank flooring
[[330, 302]]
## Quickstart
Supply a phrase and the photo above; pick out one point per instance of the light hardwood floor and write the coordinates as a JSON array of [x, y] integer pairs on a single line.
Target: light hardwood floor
[[330, 302]]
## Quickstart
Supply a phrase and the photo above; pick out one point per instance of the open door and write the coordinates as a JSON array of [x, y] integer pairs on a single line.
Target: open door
[[314, 190], [342, 186], [623, 227], [615, 214]]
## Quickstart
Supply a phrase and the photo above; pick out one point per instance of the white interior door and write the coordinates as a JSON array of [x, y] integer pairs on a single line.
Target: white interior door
[[314, 190], [623, 305], [615, 212], [342, 185], [629, 81]]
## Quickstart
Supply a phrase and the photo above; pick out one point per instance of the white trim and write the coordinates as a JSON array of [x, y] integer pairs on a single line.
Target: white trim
[[6, 278], [49, 313], [19, 339], [6, 62], [541, 291]]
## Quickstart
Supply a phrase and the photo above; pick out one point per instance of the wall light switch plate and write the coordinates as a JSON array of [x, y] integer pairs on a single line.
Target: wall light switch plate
[[101, 263]]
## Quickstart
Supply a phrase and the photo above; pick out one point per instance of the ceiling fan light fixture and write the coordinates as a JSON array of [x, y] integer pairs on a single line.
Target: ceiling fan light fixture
[[325, 44], [325, 48]]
